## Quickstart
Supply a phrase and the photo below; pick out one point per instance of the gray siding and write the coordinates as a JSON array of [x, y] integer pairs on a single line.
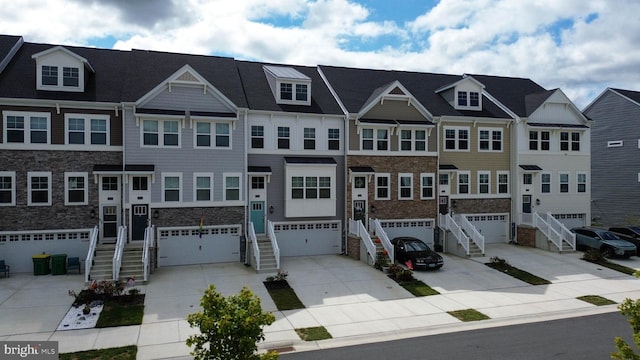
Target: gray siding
[[187, 98], [615, 189]]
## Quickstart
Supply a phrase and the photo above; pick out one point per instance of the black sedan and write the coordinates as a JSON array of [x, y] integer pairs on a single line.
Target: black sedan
[[416, 254], [628, 233]]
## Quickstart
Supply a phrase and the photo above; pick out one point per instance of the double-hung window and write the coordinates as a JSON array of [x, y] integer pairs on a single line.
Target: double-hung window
[[310, 187], [87, 129], [203, 186], [503, 182], [367, 139], [26, 128], [7, 188], [483, 182], [171, 133], [70, 76], [463, 182], [257, 137], [405, 186], [161, 133], [334, 139], [301, 92], [545, 183], [462, 98], [413, 140], [49, 75], [171, 187], [75, 131], [490, 139], [283, 137], [382, 187], [286, 91], [427, 186], [231, 187], [309, 138], [582, 182], [456, 139], [382, 139], [150, 133], [569, 141], [203, 134], [374, 139], [76, 189], [564, 182], [539, 140], [474, 99], [99, 130], [39, 188]]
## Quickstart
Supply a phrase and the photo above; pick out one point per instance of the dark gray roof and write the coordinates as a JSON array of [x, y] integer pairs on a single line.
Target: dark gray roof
[[361, 169], [447, 167], [570, 126], [259, 169], [633, 95], [308, 160], [356, 86], [9, 44], [531, 167], [18, 80], [534, 101], [147, 69], [260, 97]]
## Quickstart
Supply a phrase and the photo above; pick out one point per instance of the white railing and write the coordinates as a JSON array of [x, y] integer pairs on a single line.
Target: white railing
[[471, 231], [565, 234], [274, 243], [357, 228], [251, 234], [149, 241], [93, 242], [547, 230], [384, 238], [117, 254], [447, 222]]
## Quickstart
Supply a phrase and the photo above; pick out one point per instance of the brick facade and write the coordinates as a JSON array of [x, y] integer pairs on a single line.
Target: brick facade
[[480, 206], [169, 217], [527, 236]]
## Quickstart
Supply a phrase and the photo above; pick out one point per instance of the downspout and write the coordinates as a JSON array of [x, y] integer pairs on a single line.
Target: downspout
[[346, 202], [246, 193], [122, 194]]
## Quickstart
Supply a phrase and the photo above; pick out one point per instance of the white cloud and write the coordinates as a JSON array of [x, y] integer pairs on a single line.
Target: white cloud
[[499, 37]]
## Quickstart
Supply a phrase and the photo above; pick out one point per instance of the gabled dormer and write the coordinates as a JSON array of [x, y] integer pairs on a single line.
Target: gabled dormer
[[465, 94], [288, 85], [59, 69]]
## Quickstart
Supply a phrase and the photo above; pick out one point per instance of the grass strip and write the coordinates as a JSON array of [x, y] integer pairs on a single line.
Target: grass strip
[[116, 312], [283, 295], [468, 315], [613, 266], [418, 288], [313, 333], [517, 273], [596, 300], [119, 353]]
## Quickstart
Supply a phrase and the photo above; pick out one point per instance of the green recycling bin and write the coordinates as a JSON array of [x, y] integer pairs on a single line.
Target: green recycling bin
[[41, 264], [58, 264]]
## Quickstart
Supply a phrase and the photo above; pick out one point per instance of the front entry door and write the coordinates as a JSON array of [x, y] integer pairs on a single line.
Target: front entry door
[[526, 204], [109, 222], [360, 211], [139, 221], [257, 216], [443, 205]]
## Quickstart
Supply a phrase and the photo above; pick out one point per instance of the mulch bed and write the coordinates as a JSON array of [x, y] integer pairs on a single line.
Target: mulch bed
[[276, 285]]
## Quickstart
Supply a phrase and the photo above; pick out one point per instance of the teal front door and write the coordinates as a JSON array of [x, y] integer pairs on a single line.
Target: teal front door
[[257, 216]]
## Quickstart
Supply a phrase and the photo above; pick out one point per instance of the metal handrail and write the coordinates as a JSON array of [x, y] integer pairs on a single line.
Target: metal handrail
[[384, 238], [117, 254], [274, 242], [356, 227], [149, 240], [251, 234], [475, 236], [93, 241]]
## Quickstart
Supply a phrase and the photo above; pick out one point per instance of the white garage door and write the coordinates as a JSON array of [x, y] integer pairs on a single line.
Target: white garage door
[[494, 227], [185, 246], [571, 220], [418, 228], [309, 238]]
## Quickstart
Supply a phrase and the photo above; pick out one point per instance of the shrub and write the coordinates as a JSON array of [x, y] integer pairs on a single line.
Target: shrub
[[280, 276], [594, 256], [404, 275]]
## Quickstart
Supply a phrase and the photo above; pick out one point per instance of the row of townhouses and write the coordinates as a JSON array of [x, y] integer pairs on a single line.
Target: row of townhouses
[[210, 159]]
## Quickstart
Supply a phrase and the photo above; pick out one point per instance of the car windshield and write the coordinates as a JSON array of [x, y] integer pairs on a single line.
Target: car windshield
[[416, 246], [608, 235]]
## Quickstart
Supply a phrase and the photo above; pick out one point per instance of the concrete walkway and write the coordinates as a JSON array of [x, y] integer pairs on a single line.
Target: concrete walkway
[[354, 302]]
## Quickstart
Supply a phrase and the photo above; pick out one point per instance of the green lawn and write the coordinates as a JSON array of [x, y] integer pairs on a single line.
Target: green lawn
[[503, 266], [119, 353], [468, 315], [418, 288], [596, 300], [313, 333], [283, 295]]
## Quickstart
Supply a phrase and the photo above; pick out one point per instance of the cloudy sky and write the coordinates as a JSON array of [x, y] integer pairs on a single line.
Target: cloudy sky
[[580, 46]]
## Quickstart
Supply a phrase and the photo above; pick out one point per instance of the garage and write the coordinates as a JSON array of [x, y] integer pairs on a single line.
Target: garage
[[418, 228], [309, 238], [185, 245], [494, 227], [571, 220]]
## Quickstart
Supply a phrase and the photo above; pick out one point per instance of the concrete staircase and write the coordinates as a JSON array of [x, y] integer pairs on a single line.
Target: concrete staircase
[[267, 258], [102, 268], [131, 266], [474, 250]]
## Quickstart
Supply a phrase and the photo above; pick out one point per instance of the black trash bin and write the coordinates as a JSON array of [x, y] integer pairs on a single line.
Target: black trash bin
[[41, 264], [58, 264]]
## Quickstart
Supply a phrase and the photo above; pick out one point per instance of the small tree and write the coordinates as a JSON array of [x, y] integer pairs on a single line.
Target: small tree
[[631, 310], [229, 327]]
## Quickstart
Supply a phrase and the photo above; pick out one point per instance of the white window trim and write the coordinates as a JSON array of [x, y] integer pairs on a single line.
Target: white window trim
[[212, 135], [293, 100], [12, 175], [560, 182], [488, 183], [375, 138], [87, 128], [550, 182], [172, 174], [414, 140], [468, 106], [400, 187], [195, 186], [457, 138], [433, 185], [339, 139], [83, 175], [263, 137], [617, 143], [161, 133], [388, 187], [224, 185], [30, 175], [490, 140], [586, 182], [277, 136], [60, 66], [314, 138], [468, 173], [27, 127], [498, 173]]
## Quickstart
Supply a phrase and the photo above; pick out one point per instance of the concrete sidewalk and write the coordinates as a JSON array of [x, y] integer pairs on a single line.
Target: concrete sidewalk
[[353, 301]]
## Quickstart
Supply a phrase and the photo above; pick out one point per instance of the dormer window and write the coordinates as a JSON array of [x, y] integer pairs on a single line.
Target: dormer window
[[474, 99], [59, 69], [465, 94], [289, 86], [468, 99], [462, 98]]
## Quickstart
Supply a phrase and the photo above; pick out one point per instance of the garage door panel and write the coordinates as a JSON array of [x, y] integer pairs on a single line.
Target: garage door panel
[[571, 220], [187, 247], [420, 229], [300, 239], [494, 227]]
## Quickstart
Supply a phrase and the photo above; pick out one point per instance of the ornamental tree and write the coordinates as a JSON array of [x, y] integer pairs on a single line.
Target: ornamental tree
[[230, 327]]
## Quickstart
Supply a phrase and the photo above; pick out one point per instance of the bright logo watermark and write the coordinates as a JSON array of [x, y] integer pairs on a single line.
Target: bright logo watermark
[[29, 350]]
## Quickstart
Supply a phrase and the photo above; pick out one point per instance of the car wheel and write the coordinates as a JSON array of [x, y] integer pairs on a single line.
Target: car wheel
[[607, 252]]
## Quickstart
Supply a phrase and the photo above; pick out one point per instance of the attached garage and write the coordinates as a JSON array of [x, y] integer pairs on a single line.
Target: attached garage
[[185, 246], [571, 220], [418, 228], [309, 238], [494, 227]]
